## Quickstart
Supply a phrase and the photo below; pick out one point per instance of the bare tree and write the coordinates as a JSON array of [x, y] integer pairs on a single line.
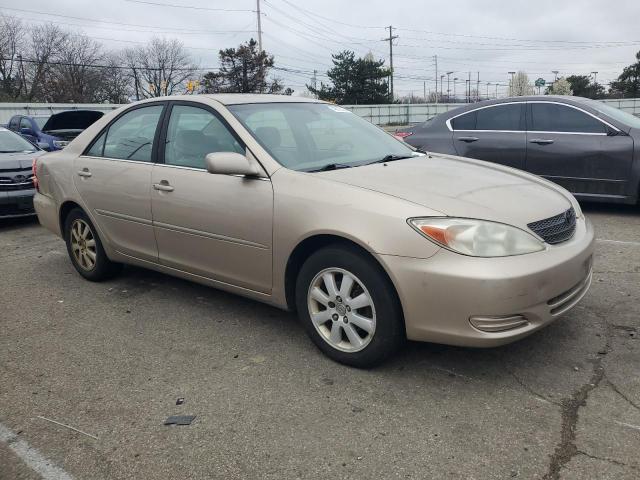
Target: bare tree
[[12, 36], [46, 45], [115, 85], [160, 68], [520, 85], [77, 72]]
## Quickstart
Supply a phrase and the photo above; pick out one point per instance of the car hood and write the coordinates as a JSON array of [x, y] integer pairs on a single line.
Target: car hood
[[460, 187], [18, 160], [76, 120]]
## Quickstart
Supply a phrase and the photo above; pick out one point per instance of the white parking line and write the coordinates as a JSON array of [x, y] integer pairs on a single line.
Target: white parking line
[[620, 242], [32, 457]]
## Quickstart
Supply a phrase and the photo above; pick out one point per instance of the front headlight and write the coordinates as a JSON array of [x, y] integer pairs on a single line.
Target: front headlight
[[60, 143], [477, 238]]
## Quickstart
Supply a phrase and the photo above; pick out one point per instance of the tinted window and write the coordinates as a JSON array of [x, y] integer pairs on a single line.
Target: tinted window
[[504, 117], [24, 123], [464, 122], [131, 136], [193, 133], [551, 117], [13, 124]]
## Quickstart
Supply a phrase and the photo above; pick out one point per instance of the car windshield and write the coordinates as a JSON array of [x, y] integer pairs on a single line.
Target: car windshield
[[11, 142], [616, 114], [40, 121], [317, 136]]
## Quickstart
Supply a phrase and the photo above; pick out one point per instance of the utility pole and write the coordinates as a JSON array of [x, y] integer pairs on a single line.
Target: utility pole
[[466, 90], [469, 87], [441, 84], [259, 25], [448, 87], [454, 89], [478, 88], [424, 91], [511, 84], [391, 38], [436, 59]]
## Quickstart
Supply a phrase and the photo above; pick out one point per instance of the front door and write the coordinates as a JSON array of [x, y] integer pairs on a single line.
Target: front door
[[216, 226], [577, 150], [114, 181], [494, 133]]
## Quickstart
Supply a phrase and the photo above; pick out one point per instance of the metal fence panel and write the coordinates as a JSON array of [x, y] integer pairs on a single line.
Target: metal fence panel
[[8, 110]]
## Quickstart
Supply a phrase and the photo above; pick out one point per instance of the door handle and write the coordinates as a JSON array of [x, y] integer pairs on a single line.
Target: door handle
[[163, 186], [468, 139], [84, 173], [541, 141]]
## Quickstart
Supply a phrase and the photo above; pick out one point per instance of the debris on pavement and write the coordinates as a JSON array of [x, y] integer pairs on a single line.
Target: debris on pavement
[[179, 420], [68, 426], [180, 401]]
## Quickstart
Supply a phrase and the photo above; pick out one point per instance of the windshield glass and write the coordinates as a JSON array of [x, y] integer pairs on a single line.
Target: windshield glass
[[40, 121], [616, 114], [11, 142], [311, 136]]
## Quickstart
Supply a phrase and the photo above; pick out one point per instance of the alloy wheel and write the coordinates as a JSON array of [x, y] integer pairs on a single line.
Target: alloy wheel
[[83, 244], [341, 310]]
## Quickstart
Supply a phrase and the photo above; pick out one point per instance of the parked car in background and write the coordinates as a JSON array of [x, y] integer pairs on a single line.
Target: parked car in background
[[16, 175], [53, 132], [308, 207], [588, 147]]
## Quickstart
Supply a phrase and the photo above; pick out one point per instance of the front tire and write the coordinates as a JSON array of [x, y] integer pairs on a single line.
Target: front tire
[[349, 307], [85, 248]]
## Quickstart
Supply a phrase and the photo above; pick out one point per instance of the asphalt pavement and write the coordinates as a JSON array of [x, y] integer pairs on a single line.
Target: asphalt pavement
[[111, 359]]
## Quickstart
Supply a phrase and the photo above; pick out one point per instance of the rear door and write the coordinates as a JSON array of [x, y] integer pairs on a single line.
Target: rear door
[[495, 133], [113, 178], [577, 150]]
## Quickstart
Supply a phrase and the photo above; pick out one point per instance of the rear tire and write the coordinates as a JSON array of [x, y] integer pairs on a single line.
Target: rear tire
[[85, 248], [349, 307]]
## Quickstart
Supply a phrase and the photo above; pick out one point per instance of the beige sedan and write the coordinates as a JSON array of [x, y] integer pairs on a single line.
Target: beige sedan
[[304, 205]]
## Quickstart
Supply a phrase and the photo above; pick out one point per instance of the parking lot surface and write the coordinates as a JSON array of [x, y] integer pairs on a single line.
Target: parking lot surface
[[111, 359]]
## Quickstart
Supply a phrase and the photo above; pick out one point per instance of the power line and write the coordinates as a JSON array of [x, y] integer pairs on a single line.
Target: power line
[[190, 7]]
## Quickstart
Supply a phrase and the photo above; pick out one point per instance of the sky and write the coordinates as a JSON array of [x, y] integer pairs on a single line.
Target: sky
[[487, 39]]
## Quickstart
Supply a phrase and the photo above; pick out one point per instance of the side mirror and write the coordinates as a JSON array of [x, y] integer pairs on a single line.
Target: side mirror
[[230, 163], [43, 145], [26, 131]]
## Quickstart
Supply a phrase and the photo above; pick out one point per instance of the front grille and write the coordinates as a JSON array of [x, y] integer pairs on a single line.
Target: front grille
[[557, 229], [17, 182]]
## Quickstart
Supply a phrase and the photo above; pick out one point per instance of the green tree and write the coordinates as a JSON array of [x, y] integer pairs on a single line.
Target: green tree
[[582, 86], [355, 80], [242, 70], [628, 83]]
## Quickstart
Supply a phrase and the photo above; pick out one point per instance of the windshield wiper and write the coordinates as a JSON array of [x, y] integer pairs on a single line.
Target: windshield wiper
[[331, 166], [390, 158]]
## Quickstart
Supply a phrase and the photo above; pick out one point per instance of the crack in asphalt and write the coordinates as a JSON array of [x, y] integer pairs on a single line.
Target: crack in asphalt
[[531, 390], [608, 460], [616, 389], [566, 449]]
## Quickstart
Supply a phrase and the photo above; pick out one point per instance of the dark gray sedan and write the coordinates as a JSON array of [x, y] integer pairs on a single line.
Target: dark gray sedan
[[16, 176], [586, 146]]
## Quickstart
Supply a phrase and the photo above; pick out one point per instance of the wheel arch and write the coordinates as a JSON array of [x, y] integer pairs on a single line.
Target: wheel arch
[[306, 247], [63, 213]]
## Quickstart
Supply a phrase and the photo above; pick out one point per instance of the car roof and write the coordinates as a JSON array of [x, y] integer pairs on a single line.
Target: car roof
[[237, 98]]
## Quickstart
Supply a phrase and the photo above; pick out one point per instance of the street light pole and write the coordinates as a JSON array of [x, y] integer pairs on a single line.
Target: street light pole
[[595, 78], [555, 72], [511, 84], [448, 87], [441, 82], [454, 89]]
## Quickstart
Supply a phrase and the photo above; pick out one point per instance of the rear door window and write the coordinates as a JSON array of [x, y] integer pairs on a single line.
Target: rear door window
[[503, 117], [464, 122], [131, 136], [553, 117]]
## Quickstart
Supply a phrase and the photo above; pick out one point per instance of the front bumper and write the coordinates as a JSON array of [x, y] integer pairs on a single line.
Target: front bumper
[[16, 203], [506, 298]]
